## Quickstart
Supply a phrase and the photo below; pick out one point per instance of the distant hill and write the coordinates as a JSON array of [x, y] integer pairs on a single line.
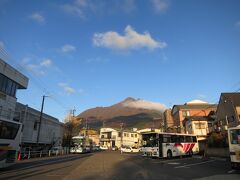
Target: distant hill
[[131, 112]]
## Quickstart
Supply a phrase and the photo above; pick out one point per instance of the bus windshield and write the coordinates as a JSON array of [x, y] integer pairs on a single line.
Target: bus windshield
[[8, 130], [235, 136], [77, 142], [149, 140]]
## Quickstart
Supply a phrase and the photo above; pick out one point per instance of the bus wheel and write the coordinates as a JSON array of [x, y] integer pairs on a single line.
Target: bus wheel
[[169, 154]]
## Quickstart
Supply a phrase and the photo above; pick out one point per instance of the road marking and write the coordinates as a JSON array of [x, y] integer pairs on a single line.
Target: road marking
[[189, 165], [231, 171], [219, 159], [169, 160], [54, 175], [173, 163]]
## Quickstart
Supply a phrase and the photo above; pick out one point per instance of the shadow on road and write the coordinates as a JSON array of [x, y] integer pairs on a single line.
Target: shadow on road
[[18, 171]]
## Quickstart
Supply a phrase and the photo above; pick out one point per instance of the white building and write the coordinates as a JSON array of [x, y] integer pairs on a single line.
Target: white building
[[10, 81], [200, 126], [51, 131], [110, 137]]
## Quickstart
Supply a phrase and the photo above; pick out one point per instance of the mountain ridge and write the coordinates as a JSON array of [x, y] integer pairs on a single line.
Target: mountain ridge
[[128, 111]]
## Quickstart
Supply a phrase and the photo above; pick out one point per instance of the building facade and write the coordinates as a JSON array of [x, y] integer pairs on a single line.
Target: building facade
[[11, 80], [110, 137], [51, 131], [192, 108], [200, 126], [228, 111], [168, 119]]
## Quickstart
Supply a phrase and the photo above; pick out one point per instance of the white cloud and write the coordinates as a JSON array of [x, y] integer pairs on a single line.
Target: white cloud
[[160, 5], [36, 68], [78, 8], [67, 88], [142, 104], [73, 9], [130, 40], [38, 18], [46, 63], [68, 48], [237, 24], [82, 8]]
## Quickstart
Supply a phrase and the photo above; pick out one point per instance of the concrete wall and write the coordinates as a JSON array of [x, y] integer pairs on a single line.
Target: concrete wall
[[7, 106], [13, 74], [8, 103], [217, 152], [51, 129]]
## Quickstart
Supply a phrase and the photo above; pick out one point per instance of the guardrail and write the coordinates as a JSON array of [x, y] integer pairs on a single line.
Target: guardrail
[[43, 153]]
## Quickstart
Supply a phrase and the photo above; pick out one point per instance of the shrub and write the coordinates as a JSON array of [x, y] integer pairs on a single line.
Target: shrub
[[218, 140]]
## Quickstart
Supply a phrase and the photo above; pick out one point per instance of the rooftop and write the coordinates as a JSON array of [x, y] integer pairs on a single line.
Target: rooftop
[[233, 97], [13, 74]]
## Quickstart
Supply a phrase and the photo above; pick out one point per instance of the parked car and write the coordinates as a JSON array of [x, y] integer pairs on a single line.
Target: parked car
[[103, 147], [56, 150], [135, 149], [114, 148], [129, 149], [96, 148], [125, 149]]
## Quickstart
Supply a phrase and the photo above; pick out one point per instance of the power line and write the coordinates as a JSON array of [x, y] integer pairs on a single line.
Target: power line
[[36, 81]]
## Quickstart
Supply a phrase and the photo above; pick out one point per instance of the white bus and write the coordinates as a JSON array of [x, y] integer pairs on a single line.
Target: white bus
[[10, 137], [234, 146], [80, 144], [168, 145]]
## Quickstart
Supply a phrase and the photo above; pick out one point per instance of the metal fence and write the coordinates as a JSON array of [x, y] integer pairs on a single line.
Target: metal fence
[[43, 153]]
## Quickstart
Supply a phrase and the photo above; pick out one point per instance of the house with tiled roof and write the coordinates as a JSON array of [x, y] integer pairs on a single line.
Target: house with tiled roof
[[195, 108]]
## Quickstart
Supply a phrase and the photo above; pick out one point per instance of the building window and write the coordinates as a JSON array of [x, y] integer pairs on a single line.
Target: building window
[[119, 134], [200, 125], [35, 125], [132, 135], [185, 113], [8, 86], [135, 135], [125, 134]]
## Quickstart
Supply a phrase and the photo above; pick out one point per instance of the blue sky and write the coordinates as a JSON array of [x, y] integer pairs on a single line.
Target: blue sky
[[88, 53]]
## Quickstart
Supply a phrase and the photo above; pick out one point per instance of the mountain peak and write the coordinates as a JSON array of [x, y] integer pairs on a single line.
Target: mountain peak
[[129, 99]]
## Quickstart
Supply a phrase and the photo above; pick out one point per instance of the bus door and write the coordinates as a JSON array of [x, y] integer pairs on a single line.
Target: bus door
[[160, 145]]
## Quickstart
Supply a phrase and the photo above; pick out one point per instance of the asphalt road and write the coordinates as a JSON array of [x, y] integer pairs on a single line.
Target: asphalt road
[[113, 165]]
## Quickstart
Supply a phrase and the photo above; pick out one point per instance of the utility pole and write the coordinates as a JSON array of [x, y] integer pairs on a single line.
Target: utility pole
[[40, 120], [121, 133], [73, 112]]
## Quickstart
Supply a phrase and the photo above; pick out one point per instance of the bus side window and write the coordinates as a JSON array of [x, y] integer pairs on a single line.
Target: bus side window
[[194, 139], [188, 139], [174, 139], [181, 139]]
